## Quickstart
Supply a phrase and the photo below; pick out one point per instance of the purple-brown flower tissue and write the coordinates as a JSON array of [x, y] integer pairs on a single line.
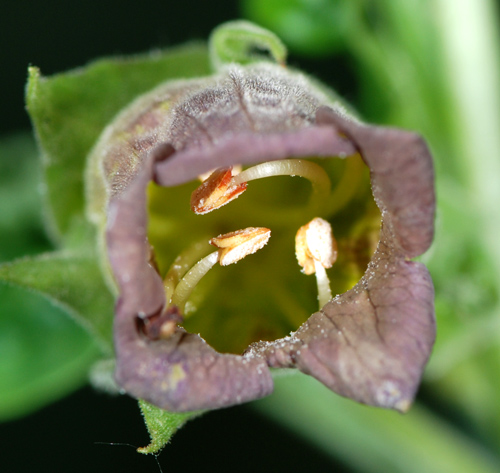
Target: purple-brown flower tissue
[[371, 343]]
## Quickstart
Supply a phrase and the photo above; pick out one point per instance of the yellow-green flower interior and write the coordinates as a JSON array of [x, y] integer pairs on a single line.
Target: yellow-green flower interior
[[265, 296]]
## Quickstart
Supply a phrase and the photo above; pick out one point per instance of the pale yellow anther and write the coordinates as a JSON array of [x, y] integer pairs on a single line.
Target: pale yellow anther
[[316, 249], [232, 247], [315, 242], [215, 191], [236, 245]]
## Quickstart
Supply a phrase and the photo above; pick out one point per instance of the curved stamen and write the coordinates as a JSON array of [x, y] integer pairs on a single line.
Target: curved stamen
[[232, 246], [217, 190], [181, 265], [221, 187], [291, 167], [316, 249], [192, 278]]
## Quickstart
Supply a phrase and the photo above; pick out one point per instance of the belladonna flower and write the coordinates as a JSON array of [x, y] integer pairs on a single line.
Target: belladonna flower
[[234, 131]]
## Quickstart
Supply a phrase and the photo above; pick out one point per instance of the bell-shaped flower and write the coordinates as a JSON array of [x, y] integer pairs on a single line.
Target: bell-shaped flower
[[238, 129]]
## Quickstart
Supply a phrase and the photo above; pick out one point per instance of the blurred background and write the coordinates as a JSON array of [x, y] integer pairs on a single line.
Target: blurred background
[[427, 65]]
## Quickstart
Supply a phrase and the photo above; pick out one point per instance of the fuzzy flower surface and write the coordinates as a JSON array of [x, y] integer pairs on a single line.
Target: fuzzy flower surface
[[369, 341]]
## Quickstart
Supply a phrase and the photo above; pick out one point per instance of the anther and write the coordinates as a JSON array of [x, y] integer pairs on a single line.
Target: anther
[[225, 185], [236, 245], [316, 249], [217, 190], [232, 246], [237, 168]]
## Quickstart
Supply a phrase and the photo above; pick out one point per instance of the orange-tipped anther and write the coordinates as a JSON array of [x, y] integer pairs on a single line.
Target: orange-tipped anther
[[216, 191]]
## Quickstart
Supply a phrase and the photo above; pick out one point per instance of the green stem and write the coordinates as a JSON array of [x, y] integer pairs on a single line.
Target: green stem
[[471, 51], [371, 439]]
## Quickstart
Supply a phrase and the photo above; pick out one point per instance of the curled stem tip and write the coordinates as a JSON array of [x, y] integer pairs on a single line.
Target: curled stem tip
[[238, 41]]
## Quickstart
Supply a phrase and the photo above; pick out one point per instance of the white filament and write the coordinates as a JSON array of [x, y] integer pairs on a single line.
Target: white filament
[[324, 291], [192, 278], [291, 167]]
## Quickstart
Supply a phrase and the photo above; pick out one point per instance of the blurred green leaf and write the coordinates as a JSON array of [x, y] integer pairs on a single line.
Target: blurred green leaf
[[311, 27], [462, 268], [21, 228], [71, 281], [44, 355], [462, 372], [70, 110], [469, 388], [162, 425], [470, 34], [374, 440]]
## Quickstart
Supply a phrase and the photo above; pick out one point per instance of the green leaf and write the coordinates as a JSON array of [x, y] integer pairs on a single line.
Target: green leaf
[[70, 110], [72, 282], [21, 227], [44, 355], [162, 425]]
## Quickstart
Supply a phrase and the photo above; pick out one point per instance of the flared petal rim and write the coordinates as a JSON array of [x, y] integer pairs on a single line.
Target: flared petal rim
[[370, 344]]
